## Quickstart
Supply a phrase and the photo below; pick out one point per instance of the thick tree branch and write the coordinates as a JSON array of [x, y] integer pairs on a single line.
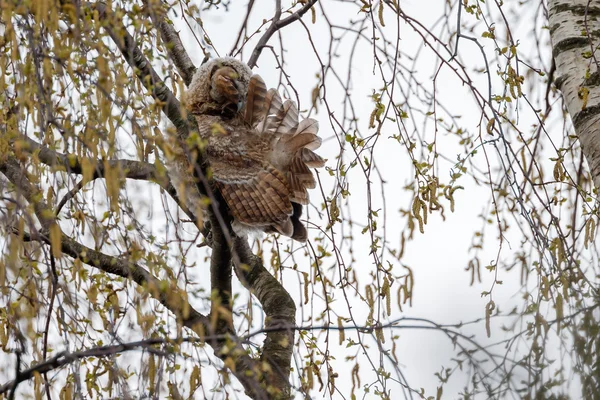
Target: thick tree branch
[[220, 278], [73, 164], [276, 25], [280, 311]]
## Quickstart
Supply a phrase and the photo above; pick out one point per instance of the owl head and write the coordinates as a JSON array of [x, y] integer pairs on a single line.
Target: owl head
[[219, 87]]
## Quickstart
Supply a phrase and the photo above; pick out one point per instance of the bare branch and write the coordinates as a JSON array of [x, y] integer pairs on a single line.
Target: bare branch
[[243, 28], [276, 25]]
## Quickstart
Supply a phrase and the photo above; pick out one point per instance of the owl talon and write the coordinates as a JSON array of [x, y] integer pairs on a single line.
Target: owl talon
[[208, 241], [207, 233]]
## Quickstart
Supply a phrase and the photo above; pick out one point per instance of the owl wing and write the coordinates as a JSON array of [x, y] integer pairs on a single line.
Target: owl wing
[[256, 101], [256, 193]]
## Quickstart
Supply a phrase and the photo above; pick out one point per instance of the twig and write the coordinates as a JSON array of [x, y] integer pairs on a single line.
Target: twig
[[243, 28], [276, 25], [54, 287]]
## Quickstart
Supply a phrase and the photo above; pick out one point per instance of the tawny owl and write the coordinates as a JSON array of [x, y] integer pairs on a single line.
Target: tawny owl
[[258, 152]]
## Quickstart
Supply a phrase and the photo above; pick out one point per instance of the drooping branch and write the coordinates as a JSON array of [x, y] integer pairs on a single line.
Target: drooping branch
[[172, 42], [142, 67], [65, 358], [112, 265]]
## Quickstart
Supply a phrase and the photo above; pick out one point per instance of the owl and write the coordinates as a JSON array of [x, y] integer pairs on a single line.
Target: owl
[[258, 151]]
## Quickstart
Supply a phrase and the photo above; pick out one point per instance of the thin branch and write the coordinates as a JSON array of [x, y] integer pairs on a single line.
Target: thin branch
[[54, 287], [64, 358], [276, 25], [243, 28], [18, 379]]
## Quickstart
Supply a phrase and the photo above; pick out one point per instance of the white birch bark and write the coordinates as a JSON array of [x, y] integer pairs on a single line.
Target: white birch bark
[[575, 34]]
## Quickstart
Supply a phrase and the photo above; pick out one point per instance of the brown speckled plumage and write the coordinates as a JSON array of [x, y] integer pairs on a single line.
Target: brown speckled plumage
[[259, 154]]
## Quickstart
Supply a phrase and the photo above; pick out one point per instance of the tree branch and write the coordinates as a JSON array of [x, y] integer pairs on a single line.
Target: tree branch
[[220, 278], [276, 25], [142, 67], [71, 163], [172, 41], [112, 265], [280, 311]]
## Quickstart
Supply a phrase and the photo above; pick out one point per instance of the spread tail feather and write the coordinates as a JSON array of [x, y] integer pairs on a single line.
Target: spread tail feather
[[272, 105], [292, 153], [311, 159], [295, 143], [284, 120], [272, 102], [301, 172]]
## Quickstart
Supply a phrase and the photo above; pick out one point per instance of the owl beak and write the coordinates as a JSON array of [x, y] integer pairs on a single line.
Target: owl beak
[[241, 102], [229, 89], [233, 94]]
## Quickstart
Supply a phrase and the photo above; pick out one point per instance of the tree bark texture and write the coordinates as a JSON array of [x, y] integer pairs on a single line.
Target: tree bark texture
[[575, 34]]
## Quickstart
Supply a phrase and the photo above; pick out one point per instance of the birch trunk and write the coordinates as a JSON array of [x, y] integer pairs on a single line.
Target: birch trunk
[[575, 34]]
